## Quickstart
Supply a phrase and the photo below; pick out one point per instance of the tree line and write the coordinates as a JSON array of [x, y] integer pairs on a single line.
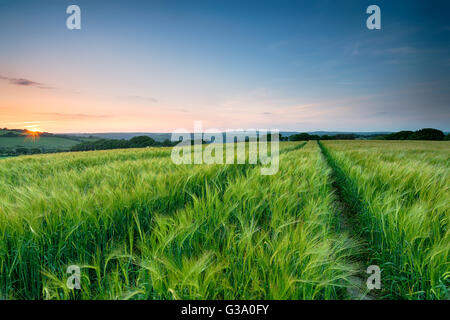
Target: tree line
[[135, 142], [145, 141], [307, 136], [422, 134]]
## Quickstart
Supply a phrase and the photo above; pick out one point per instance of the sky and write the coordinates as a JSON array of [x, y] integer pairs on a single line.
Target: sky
[[158, 66]]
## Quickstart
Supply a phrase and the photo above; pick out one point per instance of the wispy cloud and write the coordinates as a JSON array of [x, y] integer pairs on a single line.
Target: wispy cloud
[[137, 98], [407, 50], [25, 82], [72, 116]]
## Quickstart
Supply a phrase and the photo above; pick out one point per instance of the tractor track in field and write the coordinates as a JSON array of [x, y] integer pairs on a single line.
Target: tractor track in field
[[348, 223]]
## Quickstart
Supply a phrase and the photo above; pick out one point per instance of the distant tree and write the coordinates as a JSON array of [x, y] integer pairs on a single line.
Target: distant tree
[[428, 134], [270, 135], [10, 134], [344, 136], [141, 142], [21, 150], [101, 144], [135, 142], [423, 134], [168, 143], [299, 137], [401, 135]]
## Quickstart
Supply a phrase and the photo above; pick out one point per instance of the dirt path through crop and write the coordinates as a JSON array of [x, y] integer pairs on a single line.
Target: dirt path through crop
[[347, 223]]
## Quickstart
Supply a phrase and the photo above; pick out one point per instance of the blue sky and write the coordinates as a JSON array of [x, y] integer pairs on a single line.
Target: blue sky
[[287, 65]]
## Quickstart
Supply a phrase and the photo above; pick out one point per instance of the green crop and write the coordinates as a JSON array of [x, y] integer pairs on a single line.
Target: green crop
[[141, 227]]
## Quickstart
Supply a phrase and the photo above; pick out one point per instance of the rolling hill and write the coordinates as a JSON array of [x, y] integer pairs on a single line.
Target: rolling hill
[[17, 141]]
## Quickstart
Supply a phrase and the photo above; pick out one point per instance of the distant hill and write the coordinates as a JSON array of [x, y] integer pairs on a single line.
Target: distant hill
[[163, 136], [19, 141], [122, 135], [333, 133], [16, 141]]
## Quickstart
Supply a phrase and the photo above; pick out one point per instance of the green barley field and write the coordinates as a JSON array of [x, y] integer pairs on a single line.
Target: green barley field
[[141, 227]]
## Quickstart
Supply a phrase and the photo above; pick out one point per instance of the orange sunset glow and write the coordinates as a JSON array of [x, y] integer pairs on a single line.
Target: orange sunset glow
[[156, 77]]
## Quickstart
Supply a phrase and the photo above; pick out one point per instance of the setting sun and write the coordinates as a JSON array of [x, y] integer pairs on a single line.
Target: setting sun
[[32, 133]]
